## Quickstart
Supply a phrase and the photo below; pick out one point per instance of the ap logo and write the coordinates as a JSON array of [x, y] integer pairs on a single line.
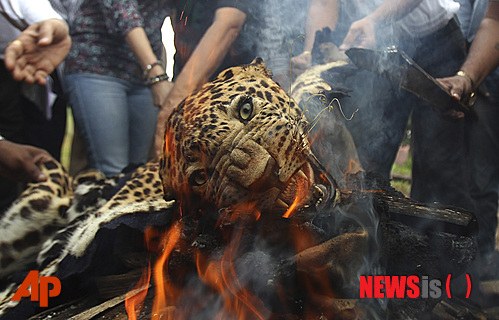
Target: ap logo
[[40, 290]]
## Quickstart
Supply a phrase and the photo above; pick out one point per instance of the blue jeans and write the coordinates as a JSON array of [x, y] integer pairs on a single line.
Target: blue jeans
[[117, 120]]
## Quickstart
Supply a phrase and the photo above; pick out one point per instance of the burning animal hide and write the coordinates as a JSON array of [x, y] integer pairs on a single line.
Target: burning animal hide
[[258, 229]]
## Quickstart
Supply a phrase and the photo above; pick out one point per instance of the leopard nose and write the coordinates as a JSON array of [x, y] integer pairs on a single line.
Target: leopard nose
[[269, 177]]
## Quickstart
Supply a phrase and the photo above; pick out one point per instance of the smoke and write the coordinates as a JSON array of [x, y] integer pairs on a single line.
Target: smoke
[[271, 29]]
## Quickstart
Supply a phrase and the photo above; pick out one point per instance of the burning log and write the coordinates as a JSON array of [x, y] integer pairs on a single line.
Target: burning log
[[448, 310]]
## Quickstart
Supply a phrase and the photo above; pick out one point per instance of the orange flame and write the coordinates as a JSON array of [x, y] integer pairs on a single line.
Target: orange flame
[[168, 146], [221, 276], [135, 297], [218, 272], [353, 167], [165, 291], [239, 211], [301, 193]]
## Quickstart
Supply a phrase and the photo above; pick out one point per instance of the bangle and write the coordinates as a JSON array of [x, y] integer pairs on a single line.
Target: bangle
[[156, 79], [152, 65], [463, 74]]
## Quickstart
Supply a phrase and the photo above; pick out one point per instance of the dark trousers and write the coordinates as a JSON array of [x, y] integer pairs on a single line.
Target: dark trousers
[[439, 166], [483, 148], [21, 121]]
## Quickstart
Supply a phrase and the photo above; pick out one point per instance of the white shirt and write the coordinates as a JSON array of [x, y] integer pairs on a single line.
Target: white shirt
[[22, 13], [428, 17]]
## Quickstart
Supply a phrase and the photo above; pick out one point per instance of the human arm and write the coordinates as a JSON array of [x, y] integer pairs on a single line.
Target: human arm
[[21, 162], [127, 19], [205, 59], [141, 47], [321, 14], [362, 32], [482, 58]]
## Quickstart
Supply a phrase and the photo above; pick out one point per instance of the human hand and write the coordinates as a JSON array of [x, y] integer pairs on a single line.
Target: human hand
[[160, 91], [301, 62], [460, 89], [361, 34], [38, 50], [21, 162]]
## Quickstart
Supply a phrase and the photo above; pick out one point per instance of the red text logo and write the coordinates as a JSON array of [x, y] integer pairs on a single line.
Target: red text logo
[[40, 290], [406, 287]]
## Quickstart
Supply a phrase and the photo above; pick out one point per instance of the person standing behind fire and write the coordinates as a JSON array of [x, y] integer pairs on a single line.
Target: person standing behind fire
[[482, 132], [427, 30], [205, 33], [114, 79]]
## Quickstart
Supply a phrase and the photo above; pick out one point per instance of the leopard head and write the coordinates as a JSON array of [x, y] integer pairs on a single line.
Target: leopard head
[[240, 140]]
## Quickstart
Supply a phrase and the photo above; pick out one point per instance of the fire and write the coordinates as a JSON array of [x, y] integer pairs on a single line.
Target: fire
[[217, 272], [164, 294], [221, 276], [168, 145], [134, 298], [240, 212], [165, 291], [353, 167], [301, 193], [207, 284]]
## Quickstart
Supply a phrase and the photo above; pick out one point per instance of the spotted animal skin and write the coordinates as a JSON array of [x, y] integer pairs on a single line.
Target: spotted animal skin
[[239, 139], [33, 218]]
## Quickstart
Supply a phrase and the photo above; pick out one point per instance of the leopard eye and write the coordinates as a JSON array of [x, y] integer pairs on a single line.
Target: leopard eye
[[198, 178], [246, 109]]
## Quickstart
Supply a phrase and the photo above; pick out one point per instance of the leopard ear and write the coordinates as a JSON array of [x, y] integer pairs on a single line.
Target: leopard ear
[[259, 65]]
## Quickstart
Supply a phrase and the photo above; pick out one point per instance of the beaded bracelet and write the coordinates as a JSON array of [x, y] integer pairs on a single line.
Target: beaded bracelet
[[1, 137], [156, 79], [152, 65]]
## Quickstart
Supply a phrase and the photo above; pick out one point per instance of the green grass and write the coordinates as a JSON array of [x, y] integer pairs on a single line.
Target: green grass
[[402, 186], [404, 170]]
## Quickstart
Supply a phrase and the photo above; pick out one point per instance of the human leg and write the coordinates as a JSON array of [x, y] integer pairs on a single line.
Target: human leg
[[379, 125], [143, 116], [440, 169], [46, 133], [11, 123], [483, 150], [99, 108]]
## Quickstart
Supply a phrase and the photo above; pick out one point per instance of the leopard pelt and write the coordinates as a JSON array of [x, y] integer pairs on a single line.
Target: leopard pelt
[[239, 139]]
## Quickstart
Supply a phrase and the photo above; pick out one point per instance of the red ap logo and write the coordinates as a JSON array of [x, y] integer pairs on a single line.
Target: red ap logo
[[39, 288]]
